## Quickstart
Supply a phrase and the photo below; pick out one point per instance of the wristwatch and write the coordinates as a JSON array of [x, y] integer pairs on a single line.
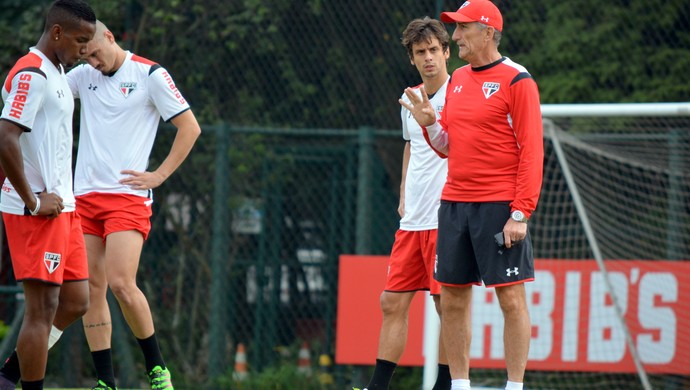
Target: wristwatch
[[518, 216]]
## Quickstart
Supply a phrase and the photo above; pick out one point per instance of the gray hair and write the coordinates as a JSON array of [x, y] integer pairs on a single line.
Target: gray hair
[[497, 34]]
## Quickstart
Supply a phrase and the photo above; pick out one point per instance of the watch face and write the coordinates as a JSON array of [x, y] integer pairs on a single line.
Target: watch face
[[518, 215]]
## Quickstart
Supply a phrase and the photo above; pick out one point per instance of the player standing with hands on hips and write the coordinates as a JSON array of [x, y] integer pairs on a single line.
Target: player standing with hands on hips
[[37, 203], [123, 96], [411, 263], [491, 132]]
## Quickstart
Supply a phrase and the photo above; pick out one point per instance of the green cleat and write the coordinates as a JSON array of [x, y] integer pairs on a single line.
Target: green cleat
[[100, 385], [160, 379]]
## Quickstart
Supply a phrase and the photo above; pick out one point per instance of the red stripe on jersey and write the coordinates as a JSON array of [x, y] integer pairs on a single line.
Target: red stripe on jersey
[[425, 132], [30, 60], [143, 60]]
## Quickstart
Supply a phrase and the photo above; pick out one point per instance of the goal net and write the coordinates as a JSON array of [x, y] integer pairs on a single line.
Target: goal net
[[610, 306]]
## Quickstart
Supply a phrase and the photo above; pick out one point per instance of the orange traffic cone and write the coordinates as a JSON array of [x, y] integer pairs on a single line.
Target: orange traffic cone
[[304, 360], [240, 372]]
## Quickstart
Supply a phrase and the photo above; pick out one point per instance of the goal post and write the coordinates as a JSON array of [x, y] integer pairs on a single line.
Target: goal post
[[626, 206], [610, 305], [615, 110]]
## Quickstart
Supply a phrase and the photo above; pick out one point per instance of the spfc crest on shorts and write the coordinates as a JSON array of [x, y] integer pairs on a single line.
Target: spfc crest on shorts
[[127, 88], [52, 261], [490, 88]]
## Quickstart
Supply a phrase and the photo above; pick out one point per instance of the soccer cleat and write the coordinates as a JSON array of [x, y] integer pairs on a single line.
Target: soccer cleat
[[100, 385], [6, 384], [357, 388], [160, 379]]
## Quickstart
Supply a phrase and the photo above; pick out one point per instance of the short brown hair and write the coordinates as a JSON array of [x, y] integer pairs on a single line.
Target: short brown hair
[[424, 30]]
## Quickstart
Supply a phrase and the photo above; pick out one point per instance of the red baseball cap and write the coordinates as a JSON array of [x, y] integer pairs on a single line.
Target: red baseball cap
[[482, 11]]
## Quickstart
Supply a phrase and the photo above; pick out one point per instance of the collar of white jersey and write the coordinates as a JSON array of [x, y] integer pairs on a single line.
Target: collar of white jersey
[[60, 69]]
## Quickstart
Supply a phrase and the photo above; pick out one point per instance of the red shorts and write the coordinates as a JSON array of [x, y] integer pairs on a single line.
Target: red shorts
[[47, 249], [411, 263], [102, 214]]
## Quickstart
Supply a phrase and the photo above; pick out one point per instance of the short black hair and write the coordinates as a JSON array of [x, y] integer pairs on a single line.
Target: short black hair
[[69, 11]]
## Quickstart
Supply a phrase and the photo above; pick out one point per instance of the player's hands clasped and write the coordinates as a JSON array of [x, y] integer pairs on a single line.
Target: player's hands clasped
[[141, 180]]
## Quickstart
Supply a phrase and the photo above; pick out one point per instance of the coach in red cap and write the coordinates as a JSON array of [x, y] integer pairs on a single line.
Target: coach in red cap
[[481, 11], [491, 132]]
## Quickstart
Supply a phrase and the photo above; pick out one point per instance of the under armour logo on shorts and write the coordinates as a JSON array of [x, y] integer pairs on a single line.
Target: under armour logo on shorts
[[513, 271]]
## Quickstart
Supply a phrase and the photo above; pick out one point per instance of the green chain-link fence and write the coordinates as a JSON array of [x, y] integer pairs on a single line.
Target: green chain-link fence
[[245, 242], [250, 232], [296, 171]]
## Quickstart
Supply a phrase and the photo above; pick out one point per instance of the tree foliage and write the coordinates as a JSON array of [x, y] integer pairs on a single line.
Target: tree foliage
[[334, 64], [315, 63], [592, 52]]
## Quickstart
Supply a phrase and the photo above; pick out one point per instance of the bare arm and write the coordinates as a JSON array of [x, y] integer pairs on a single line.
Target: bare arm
[[405, 164], [188, 131], [12, 162]]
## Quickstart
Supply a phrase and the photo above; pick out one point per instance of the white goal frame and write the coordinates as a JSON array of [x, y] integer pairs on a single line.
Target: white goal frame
[[431, 322]]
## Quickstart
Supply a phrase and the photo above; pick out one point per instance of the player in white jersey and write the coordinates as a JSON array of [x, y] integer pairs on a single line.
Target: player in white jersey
[[411, 263], [37, 203], [123, 96]]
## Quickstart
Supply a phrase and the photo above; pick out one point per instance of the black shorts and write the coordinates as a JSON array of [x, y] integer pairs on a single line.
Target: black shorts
[[466, 252]]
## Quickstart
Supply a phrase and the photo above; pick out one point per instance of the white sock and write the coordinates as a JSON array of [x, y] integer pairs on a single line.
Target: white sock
[[55, 334], [513, 385], [460, 384]]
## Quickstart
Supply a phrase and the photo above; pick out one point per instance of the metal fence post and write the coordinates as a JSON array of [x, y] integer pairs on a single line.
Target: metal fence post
[[674, 236], [364, 209], [219, 254], [364, 190]]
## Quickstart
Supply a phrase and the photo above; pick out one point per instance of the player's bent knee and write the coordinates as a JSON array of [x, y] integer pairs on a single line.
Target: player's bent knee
[[78, 311], [512, 304], [393, 303], [125, 293], [74, 308]]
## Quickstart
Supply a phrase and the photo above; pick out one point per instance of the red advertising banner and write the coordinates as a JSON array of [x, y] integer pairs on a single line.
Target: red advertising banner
[[360, 282], [574, 321]]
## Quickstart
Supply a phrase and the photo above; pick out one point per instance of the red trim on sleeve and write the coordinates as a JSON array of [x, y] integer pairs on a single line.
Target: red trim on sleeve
[[30, 60], [428, 141], [143, 60]]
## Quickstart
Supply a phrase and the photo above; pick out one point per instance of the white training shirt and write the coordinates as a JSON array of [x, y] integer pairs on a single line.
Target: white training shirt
[[38, 99], [119, 120], [426, 172]]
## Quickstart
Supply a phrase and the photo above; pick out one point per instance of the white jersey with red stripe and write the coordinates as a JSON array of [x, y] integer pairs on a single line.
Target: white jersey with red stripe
[[426, 171], [38, 99], [120, 114]]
